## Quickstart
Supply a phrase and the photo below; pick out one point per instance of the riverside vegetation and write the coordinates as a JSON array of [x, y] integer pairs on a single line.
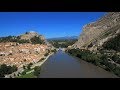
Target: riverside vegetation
[[108, 57], [101, 59], [99, 43], [33, 40], [4, 69], [34, 74], [62, 43]]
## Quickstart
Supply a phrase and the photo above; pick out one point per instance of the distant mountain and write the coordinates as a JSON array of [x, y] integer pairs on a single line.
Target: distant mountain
[[64, 38]]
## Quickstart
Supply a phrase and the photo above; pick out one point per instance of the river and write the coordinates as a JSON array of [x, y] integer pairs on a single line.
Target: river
[[62, 65]]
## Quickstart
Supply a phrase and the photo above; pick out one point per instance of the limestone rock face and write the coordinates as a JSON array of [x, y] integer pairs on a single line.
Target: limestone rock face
[[31, 34], [96, 33]]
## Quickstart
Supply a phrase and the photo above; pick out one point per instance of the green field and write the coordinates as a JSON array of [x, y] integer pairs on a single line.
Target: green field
[[30, 75]]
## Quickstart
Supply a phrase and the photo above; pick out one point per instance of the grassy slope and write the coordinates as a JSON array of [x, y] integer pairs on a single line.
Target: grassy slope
[[30, 75]]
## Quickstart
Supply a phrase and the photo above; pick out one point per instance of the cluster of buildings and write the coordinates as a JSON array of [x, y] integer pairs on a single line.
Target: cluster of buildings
[[12, 53]]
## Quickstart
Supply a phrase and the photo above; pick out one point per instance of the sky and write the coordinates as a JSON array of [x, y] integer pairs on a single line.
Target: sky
[[49, 24]]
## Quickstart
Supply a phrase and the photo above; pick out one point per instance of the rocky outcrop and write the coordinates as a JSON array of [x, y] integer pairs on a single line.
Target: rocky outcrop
[[31, 34], [95, 34]]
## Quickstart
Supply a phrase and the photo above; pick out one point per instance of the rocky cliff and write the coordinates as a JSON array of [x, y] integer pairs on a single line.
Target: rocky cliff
[[31, 34], [95, 34]]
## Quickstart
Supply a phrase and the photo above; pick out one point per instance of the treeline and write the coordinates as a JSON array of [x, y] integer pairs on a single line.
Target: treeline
[[99, 59], [4, 69], [54, 50], [62, 43], [113, 44], [27, 68], [37, 70], [13, 39], [34, 40], [37, 40]]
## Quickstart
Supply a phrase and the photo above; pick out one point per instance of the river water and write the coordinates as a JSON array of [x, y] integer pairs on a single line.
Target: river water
[[62, 65]]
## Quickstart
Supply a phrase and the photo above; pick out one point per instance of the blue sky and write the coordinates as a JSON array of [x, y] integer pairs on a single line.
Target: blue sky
[[49, 24]]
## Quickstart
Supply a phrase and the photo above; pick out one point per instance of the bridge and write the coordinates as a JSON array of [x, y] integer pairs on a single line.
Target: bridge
[[63, 49]]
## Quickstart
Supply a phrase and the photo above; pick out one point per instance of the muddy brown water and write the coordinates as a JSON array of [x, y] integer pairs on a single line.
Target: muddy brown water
[[62, 65]]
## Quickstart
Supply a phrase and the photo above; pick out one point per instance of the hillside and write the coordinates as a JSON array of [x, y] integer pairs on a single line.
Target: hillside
[[32, 37], [28, 37], [95, 34], [99, 43], [24, 49]]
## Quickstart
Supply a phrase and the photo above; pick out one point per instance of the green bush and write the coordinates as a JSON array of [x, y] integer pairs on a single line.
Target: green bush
[[46, 54], [100, 59], [13, 39], [117, 71], [4, 69], [53, 50], [29, 66], [116, 58], [37, 70], [113, 44], [24, 67], [42, 58], [62, 43], [36, 40], [23, 73], [14, 68]]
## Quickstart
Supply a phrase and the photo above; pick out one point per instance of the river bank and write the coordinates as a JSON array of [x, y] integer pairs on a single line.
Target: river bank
[[29, 74], [39, 63], [98, 59], [62, 65]]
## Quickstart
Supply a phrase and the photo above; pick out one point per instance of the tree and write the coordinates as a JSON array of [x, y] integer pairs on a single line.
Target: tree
[[24, 67], [46, 54], [4, 69], [23, 73], [113, 44], [14, 74], [10, 76], [1, 73], [117, 71], [54, 50], [14, 68], [115, 58], [29, 66], [36, 40], [26, 32], [42, 58], [37, 70]]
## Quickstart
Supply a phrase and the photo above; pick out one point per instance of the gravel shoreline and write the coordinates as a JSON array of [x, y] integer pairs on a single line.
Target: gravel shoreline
[[41, 62]]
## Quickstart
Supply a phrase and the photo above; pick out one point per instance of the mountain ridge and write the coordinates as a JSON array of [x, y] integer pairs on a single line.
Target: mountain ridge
[[65, 37], [95, 34]]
